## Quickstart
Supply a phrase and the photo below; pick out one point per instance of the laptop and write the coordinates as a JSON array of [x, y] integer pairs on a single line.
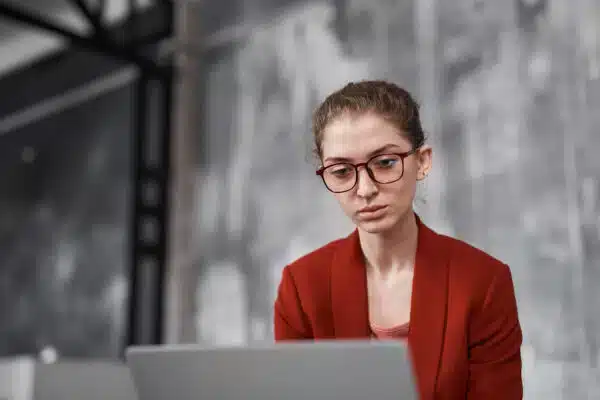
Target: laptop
[[306, 370]]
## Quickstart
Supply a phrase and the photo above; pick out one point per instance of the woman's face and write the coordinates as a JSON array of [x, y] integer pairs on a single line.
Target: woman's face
[[356, 139]]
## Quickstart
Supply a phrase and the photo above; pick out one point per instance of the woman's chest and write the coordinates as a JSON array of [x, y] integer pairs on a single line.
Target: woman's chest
[[389, 300]]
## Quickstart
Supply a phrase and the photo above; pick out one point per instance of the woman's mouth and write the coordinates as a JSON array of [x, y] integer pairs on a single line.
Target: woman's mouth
[[371, 212]]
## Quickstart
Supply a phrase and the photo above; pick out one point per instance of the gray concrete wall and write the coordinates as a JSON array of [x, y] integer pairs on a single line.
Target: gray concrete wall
[[509, 93]]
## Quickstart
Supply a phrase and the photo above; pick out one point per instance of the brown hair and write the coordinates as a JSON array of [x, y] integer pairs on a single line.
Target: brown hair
[[380, 97]]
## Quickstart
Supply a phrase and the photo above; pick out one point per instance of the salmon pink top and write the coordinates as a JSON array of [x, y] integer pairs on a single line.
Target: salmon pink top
[[396, 332]]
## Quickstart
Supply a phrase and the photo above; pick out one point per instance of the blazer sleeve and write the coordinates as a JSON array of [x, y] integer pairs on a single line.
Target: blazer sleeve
[[495, 340], [290, 322]]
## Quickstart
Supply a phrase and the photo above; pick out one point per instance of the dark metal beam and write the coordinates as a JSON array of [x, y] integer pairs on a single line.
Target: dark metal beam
[[80, 67], [149, 229], [91, 43], [94, 18]]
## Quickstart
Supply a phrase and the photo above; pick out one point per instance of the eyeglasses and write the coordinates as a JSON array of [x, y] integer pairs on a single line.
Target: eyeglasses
[[383, 168]]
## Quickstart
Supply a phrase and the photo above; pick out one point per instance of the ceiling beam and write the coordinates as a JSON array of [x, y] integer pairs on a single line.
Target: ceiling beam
[[89, 42], [94, 17]]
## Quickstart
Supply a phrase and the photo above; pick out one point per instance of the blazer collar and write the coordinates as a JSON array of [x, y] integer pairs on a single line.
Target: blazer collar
[[428, 303]]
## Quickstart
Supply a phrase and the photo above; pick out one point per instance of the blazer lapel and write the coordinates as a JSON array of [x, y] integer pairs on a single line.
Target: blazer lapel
[[428, 306], [349, 290]]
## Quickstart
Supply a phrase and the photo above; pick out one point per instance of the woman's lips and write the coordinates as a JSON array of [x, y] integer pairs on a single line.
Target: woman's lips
[[371, 212]]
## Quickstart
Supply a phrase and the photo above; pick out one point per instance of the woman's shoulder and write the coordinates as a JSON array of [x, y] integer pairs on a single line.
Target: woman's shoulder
[[465, 249], [468, 259], [461, 253], [317, 261]]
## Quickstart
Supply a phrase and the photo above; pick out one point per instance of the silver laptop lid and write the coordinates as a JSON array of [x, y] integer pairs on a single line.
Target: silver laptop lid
[[329, 370]]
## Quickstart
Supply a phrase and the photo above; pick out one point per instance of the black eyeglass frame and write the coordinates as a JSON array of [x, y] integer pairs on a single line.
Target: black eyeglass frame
[[402, 156]]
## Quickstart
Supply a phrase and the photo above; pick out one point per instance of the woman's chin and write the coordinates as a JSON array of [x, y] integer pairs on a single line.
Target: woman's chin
[[375, 226]]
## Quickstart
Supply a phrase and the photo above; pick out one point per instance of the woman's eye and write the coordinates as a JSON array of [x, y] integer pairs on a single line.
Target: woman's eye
[[340, 171], [386, 162]]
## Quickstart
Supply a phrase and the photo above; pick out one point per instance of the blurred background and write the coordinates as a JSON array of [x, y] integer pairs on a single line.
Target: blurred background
[[156, 167]]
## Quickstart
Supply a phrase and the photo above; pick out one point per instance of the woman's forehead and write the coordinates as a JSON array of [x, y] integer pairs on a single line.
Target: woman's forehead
[[359, 136]]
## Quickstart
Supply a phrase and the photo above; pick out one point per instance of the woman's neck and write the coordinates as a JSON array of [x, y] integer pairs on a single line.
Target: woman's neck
[[392, 251]]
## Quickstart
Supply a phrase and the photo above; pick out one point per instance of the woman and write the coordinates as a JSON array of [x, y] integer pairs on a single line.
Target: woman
[[394, 277]]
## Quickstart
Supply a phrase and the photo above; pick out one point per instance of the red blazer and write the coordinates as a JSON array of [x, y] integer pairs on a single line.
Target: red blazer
[[465, 336]]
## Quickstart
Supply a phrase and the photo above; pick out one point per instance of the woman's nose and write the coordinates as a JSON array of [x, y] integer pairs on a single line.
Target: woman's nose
[[367, 187]]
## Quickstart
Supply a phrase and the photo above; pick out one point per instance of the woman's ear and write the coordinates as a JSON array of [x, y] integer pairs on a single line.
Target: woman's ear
[[424, 155]]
